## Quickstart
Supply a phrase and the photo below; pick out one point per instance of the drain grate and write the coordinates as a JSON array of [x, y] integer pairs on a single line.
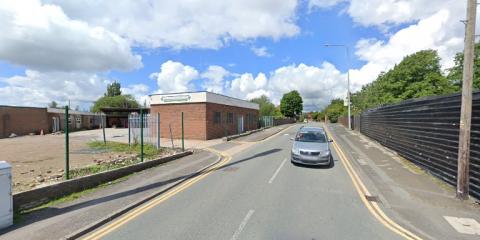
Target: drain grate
[[372, 198]]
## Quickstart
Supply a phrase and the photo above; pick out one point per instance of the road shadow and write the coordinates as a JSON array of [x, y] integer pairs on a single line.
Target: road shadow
[[262, 154], [49, 212]]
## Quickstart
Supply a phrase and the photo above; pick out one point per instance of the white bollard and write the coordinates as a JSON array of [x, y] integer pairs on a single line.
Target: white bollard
[[6, 207]]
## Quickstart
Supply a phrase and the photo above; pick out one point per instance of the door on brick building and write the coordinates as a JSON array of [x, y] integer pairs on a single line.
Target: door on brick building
[[55, 124], [240, 123], [78, 122]]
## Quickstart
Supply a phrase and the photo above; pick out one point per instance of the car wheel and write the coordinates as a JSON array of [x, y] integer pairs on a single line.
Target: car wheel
[[332, 163]]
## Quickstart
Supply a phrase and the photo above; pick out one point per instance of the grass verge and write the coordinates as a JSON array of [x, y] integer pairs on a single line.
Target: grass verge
[[149, 152]]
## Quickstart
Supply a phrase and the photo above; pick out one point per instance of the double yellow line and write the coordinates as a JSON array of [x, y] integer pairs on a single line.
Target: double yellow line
[[142, 209], [362, 191]]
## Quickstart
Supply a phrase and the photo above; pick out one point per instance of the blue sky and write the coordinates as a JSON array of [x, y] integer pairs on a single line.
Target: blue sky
[[244, 48], [318, 27]]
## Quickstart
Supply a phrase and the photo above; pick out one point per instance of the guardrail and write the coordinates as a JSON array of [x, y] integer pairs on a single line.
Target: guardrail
[[425, 131]]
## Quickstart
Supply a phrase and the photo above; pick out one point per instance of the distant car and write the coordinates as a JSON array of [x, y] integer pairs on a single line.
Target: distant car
[[311, 147]]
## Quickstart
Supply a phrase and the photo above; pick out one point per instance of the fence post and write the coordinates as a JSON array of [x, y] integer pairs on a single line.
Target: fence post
[[141, 135], [129, 122], [104, 121], [67, 156], [183, 142], [171, 135], [158, 130]]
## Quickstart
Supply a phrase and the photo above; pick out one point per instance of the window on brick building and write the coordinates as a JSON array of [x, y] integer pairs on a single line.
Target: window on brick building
[[229, 118], [217, 117]]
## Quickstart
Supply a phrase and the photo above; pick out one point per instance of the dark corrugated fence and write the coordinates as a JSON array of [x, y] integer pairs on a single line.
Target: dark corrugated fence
[[425, 131]]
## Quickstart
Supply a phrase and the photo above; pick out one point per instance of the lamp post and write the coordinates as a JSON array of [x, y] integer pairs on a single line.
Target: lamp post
[[348, 78]]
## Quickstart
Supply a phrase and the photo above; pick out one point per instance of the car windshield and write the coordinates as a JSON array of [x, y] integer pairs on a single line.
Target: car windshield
[[311, 136]]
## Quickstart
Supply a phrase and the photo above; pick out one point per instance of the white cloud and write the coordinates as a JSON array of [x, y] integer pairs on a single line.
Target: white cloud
[[182, 24], [38, 89], [139, 91], [323, 3], [435, 32], [246, 84], [430, 25], [42, 37], [175, 77], [317, 85], [214, 78], [261, 51], [380, 12]]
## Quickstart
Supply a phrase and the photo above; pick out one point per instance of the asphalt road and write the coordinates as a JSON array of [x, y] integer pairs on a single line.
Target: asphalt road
[[259, 194]]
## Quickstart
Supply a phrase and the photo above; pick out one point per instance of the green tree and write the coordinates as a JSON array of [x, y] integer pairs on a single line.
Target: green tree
[[334, 110], [122, 101], [111, 99], [291, 104], [53, 104], [455, 73], [113, 89], [278, 113], [417, 75], [266, 106]]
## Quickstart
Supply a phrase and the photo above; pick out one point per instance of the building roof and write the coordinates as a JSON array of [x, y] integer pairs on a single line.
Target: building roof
[[70, 111], [123, 110], [200, 97]]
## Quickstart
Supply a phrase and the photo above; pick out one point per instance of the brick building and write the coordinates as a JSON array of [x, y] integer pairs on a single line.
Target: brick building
[[22, 120], [25, 120], [206, 115]]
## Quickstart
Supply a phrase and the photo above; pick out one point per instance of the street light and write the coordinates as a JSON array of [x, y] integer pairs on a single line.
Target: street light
[[348, 78]]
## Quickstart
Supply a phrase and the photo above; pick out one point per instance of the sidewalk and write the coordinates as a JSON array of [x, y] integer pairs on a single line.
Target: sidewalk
[[261, 135], [61, 219], [416, 200]]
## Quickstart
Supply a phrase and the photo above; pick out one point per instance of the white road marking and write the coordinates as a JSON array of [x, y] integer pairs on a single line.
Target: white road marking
[[464, 225], [243, 224], [277, 171], [286, 134]]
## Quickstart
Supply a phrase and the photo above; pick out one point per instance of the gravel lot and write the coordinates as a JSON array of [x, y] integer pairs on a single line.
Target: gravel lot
[[39, 160]]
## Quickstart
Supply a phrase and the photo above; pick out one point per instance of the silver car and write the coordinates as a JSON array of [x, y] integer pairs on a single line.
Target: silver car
[[311, 147]]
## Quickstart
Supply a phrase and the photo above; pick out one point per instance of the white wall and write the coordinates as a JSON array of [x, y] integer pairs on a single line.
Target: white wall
[[200, 97]]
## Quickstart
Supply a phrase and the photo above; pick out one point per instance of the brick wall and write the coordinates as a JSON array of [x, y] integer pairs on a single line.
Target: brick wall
[[218, 130], [22, 120], [194, 120], [199, 120]]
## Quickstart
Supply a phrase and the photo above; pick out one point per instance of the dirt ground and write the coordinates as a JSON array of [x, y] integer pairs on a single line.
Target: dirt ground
[[40, 160]]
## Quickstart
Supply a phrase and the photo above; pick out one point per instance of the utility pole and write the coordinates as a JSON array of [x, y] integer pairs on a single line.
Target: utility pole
[[348, 91], [466, 109]]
